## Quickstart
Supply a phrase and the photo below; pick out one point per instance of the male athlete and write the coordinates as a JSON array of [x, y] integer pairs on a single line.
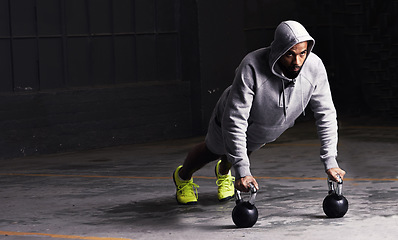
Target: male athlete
[[271, 89]]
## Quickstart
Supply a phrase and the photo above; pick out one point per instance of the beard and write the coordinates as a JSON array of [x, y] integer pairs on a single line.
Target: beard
[[290, 72]]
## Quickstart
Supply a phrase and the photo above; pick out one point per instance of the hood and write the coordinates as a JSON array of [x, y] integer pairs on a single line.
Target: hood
[[287, 34]]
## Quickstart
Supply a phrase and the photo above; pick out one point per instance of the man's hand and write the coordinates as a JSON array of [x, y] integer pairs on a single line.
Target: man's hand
[[333, 172], [243, 184]]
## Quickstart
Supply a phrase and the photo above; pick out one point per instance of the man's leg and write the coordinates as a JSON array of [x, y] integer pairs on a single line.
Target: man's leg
[[197, 158], [186, 189], [224, 165]]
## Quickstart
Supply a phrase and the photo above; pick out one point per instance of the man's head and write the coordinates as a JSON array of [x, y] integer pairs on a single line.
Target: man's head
[[291, 46], [292, 61]]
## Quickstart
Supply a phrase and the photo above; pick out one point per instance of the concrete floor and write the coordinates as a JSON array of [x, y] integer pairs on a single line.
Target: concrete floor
[[127, 192]]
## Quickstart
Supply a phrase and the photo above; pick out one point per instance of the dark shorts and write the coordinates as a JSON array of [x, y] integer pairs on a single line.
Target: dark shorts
[[215, 141]]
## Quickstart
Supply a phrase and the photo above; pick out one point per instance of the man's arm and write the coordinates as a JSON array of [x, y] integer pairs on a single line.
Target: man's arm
[[326, 121], [235, 120]]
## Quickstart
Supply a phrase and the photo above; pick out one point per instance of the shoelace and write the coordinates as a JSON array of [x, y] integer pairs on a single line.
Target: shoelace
[[191, 186], [226, 181]]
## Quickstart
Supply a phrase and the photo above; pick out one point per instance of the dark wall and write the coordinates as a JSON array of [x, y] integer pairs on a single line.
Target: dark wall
[[222, 46], [366, 60], [58, 44], [58, 121], [95, 73]]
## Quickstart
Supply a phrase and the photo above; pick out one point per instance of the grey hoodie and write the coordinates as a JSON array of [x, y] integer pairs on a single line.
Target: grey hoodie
[[262, 103]]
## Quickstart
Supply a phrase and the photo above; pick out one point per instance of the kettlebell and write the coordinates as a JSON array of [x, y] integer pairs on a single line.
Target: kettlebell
[[335, 205], [245, 214]]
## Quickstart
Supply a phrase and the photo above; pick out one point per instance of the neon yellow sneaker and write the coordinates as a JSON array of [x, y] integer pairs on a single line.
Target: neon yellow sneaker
[[186, 190], [225, 183]]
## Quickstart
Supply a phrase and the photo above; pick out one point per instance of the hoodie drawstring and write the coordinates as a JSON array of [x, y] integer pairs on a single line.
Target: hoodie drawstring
[[302, 97], [284, 98]]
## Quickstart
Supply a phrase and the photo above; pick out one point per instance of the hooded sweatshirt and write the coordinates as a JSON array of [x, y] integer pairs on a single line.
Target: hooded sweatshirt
[[262, 103]]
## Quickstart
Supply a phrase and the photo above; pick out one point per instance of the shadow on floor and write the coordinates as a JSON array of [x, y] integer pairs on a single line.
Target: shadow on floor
[[165, 212]]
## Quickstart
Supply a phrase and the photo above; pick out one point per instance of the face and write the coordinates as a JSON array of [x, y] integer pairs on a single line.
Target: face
[[292, 61]]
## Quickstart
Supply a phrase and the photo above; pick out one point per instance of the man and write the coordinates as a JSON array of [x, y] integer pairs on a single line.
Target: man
[[271, 89]]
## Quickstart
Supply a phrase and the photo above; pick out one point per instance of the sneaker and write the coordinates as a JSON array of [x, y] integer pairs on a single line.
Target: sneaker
[[225, 183], [186, 190]]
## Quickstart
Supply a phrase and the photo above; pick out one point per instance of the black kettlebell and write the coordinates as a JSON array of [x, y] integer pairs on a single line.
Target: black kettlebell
[[335, 205], [245, 214]]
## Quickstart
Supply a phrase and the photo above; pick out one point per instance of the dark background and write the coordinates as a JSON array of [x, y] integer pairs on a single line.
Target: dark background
[[80, 74]]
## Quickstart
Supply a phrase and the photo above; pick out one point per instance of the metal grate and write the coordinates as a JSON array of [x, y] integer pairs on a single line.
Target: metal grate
[[58, 44]]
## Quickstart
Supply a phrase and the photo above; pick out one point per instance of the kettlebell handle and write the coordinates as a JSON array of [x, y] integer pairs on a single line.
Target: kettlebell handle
[[338, 189], [253, 194]]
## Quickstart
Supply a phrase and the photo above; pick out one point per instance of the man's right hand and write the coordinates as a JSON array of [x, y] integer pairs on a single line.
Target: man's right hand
[[243, 184], [333, 173]]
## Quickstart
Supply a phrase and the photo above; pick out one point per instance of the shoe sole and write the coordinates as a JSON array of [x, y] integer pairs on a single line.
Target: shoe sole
[[226, 199], [180, 203]]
